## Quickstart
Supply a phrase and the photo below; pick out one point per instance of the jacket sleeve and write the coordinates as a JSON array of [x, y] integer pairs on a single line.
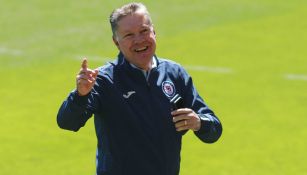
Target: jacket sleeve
[[75, 111], [211, 128]]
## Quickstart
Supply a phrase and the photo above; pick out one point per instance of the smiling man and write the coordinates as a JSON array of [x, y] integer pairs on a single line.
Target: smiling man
[[138, 130], [134, 36]]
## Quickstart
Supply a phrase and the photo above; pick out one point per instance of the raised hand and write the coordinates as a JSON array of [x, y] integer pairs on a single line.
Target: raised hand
[[85, 79]]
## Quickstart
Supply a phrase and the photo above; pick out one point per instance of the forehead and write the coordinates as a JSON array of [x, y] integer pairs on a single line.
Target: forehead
[[132, 22]]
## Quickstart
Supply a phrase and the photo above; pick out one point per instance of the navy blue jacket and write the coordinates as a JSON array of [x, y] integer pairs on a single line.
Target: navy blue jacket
[[133, 122]]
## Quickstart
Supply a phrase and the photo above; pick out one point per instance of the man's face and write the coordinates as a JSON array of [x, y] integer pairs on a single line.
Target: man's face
[[136, 39]]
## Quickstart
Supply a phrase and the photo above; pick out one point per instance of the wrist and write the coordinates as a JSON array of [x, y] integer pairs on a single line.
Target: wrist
[[80, 94], [198, 125]]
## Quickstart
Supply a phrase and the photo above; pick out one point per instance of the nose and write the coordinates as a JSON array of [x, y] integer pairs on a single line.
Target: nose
[[139, 38]]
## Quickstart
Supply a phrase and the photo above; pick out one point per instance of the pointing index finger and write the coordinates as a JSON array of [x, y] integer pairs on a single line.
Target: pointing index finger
[[84, 64]]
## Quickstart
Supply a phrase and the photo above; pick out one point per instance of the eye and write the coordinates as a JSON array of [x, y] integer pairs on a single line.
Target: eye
[[128, 35], [144, 31]]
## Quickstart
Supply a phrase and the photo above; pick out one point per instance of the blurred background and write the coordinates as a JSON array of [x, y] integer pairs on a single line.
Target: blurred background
[[247, 59]]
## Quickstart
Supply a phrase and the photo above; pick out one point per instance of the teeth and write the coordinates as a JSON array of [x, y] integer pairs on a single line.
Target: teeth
[[141, 49]]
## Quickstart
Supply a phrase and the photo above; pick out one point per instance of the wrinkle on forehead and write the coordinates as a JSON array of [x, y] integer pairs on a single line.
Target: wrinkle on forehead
[[129, 22], [133, 19]]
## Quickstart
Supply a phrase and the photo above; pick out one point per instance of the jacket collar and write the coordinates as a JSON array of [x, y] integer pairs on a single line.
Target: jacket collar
[[122, 61]]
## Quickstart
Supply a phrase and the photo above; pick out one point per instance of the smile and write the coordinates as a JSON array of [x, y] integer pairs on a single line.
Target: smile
[[141, 49]]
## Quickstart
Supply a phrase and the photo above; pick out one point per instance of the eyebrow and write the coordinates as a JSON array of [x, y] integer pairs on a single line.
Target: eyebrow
[[142, 27]]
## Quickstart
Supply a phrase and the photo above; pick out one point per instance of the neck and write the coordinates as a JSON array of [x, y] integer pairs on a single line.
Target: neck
[[148, 67]]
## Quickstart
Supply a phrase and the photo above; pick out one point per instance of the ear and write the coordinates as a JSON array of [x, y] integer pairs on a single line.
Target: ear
[[115, 41], [153, 29]]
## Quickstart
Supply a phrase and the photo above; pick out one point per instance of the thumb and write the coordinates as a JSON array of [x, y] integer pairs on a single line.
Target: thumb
[[96, 71], [84, 63]]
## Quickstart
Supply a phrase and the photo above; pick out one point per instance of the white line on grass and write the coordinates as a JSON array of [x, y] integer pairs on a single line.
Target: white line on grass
[[94, 58], [221, 70], [296, 77], [7, 51]]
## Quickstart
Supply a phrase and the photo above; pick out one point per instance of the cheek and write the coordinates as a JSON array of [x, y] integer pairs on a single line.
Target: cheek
[[153, 38], [124, 45]]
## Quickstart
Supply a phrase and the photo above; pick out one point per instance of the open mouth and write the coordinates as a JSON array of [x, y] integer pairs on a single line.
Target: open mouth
[[141, 49]]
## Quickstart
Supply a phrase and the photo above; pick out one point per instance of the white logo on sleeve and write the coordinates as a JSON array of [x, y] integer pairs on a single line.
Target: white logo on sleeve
[[128, 94], [168, 88]]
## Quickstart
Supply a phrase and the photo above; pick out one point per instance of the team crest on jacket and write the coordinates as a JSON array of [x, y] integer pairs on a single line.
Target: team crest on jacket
[[168, 88]]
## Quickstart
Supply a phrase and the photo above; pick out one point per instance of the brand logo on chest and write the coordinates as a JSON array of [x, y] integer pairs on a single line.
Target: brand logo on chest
[[128, 94], [168, 88]]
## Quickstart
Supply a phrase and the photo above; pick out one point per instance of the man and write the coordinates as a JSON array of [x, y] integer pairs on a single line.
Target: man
[[137, 132]]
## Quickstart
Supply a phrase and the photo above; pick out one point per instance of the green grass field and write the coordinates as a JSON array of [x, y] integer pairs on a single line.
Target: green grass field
[[247, 58]]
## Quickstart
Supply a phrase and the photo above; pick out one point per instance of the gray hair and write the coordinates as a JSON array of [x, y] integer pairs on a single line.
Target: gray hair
[[126, 10]]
